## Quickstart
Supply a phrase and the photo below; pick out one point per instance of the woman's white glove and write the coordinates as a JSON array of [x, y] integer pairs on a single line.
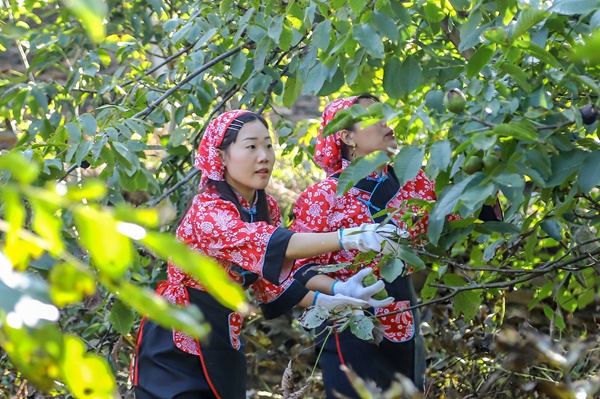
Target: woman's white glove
[[371, 237], [338, 302], [354, 287]]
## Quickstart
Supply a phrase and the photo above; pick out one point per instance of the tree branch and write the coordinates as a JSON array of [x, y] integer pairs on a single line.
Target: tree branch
[[191, 76]]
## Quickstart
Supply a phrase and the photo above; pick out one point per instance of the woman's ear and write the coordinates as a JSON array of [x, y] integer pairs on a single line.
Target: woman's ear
[[346, 137], [222, 156]]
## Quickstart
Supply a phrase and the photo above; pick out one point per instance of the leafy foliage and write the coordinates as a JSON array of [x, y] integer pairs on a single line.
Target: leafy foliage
[[104, 103]]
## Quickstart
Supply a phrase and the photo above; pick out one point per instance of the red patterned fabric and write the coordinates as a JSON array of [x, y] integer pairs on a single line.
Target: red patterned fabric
[[328, 150], [208, 159], [214, 227], [398, 327], [318, 209]]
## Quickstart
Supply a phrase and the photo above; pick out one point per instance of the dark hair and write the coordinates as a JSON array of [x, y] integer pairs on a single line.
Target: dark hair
[[345, 149], [225, 190]]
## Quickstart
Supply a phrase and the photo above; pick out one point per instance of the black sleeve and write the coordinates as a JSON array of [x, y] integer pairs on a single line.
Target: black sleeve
[[305, 273], [275, 255], [284, 302]]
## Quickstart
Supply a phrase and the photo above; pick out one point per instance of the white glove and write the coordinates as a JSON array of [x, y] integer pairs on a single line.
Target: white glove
[[371, 237], [353, 287], [333, 302]]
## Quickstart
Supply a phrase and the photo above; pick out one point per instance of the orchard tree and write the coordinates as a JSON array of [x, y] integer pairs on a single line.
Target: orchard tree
[[103, 104]]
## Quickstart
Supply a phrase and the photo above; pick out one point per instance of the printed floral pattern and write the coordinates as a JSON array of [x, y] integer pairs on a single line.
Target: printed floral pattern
[[208, 159], [398, 327], [328, 150], [235, 328], [213, 227]]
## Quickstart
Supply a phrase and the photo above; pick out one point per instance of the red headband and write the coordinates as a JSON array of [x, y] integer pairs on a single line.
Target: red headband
[[208, 159], [328, 150]]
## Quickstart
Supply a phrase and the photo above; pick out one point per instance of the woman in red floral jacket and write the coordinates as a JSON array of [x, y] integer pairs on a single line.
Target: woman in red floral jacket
[[318, 209], [234, 221]]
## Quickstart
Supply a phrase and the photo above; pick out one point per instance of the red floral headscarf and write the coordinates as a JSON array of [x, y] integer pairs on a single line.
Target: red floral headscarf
[[328, 150], [208, 159]]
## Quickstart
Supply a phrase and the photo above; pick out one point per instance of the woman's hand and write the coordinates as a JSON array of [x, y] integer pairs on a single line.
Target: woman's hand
[[354, 287], [372, 237]]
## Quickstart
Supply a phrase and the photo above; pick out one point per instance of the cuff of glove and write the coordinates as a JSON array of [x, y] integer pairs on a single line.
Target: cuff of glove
[[314, 303], [333, 285], [340, 233]]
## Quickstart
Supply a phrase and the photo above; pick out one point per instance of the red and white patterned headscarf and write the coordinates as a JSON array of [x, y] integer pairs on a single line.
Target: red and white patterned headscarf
[[208, 159], [328, 150]]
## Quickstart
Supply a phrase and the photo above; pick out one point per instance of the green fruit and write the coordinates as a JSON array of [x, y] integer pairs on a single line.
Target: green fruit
[[490, 161], [455, 101], [472, 164], [371, 279]]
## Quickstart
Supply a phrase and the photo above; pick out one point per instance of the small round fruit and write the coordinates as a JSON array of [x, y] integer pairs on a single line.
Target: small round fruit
[[371, 279], [455, 101], [589, 114], [490, 161], [472, 164]]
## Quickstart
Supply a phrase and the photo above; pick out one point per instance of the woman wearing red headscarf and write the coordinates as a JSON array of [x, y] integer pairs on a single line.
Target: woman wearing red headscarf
[[318, 209], [234, 221]]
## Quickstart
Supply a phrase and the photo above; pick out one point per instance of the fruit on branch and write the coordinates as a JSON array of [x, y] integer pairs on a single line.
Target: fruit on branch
[[490, 161], [589, 114], [371, 279], [455, 101], [472, 164]]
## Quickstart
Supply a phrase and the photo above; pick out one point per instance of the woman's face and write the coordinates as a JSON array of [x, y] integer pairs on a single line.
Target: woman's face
[[249, 160], [376, 137]]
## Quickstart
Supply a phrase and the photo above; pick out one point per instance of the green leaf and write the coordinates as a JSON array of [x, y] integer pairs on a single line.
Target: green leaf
[[574, 7], [538, 52], [519, 75], [445, 205], [111, 251], [322, 35], [316, 78], [386, 25], [490, 250], [121, 317], [588, 176], [392, 269], [313, 317], [360, 168], [87, 375], [69, 283], [441, 154], [408, 162], [428, 292], [564, 165], [408, 255], [22, 169], [552, 228], [527, 19], [465, 302], [92, 14], [369, 39], [588, 51], [88, 124], [291, 90], [203, 268], [157, 308], [362, 326], [411, 73], [47, 225], [482, 57], [521, 130], [393, 81]]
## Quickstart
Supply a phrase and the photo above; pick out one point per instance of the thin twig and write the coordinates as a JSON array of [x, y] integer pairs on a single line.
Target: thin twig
[[191, 76]]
